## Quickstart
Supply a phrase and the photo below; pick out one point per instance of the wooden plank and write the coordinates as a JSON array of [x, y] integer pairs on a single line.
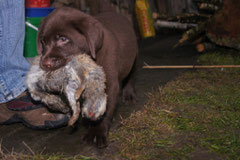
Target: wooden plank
[[191, 66]]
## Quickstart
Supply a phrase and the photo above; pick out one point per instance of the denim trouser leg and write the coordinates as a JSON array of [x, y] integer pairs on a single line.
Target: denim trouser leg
[[13, 66]]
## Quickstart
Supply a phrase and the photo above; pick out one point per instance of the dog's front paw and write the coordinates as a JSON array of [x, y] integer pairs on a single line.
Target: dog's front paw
[[100, 132]]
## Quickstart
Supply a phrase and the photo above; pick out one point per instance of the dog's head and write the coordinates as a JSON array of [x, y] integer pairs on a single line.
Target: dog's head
[[64, 33]]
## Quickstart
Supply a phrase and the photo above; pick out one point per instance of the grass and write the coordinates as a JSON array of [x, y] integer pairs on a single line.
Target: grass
[[195, 116], [6, 155]]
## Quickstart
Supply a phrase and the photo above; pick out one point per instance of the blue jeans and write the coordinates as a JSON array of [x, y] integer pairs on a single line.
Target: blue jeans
[[13, 66]]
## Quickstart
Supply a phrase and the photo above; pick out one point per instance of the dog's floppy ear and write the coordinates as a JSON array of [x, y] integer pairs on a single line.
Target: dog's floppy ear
[[92, 30], [39, 37]]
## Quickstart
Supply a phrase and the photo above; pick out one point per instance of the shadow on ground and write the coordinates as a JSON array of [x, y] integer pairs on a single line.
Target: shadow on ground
[[157, 51]]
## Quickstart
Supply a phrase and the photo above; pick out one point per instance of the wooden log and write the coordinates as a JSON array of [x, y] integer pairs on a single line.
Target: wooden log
[[192, 33], [208, 7], [191, 66], [203, 47], [177, 25]]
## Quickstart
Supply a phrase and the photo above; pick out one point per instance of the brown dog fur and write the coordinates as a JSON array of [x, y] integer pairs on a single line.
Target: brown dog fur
[[109, 38]]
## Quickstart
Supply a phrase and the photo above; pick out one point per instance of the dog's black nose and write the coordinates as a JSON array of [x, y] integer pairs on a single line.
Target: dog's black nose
[[47, 63]]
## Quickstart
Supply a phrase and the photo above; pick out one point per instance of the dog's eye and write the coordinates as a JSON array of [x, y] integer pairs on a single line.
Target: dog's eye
[[62, 38]]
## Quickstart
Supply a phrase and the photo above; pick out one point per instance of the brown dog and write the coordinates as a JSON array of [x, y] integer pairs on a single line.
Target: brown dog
[[110, 40]]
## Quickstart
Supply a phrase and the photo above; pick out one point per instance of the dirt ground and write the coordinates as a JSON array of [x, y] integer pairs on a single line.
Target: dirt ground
[[157, 51]]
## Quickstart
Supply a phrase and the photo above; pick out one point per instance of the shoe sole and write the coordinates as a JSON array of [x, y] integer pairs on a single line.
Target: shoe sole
[[47, 125]]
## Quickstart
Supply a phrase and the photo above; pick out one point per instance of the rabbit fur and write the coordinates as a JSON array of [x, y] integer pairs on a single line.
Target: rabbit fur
[[62, 88]]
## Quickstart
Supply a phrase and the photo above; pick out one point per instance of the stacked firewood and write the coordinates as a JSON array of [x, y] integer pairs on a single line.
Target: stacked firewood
[[194, 13], [208, 5], [221, 28]]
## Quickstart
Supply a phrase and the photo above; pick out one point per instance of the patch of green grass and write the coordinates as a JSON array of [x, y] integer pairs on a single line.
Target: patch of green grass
[[182, 152], [220, 57], [227, 143], [212, 111], [197, 113]]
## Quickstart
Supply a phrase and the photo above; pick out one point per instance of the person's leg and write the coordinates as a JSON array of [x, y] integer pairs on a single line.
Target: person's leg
[[16, 104], [13, 66]]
